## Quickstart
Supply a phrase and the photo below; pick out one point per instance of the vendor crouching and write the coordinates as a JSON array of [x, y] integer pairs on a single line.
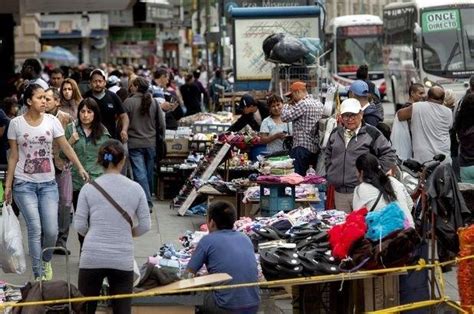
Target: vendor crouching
[[224, 250]]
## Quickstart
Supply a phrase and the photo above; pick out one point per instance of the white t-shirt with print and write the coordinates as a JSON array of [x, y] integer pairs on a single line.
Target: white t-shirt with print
[[269, 126], [35, 147]]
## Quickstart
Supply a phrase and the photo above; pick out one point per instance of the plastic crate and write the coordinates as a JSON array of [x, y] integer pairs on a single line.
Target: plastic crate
[[275, 198], [209, 128]]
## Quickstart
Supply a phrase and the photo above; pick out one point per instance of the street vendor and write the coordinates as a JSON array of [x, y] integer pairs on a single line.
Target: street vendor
[[304, 111], [253, 113], [225, 250], [273, 130]]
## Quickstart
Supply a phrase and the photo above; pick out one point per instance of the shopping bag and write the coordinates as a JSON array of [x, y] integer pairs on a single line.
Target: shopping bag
[[401, 139], [65, 187], [12, 255]]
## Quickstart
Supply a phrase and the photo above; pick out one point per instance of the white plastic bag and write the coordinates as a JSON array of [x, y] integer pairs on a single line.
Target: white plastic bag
[[401, 139], [12, 255]]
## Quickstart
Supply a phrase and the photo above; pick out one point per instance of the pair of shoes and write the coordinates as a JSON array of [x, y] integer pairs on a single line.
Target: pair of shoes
[[47, 271], [61, 252]]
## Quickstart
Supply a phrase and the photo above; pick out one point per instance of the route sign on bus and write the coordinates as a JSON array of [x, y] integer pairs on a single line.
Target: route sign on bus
[[435, 21]]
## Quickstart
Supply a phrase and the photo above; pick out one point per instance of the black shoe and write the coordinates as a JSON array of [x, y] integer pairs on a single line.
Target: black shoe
[[61, 252]]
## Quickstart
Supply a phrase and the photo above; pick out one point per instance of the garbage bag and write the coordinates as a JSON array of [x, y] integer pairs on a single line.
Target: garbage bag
[[288, 50], [314, 49], [12, 255], [270, 42]]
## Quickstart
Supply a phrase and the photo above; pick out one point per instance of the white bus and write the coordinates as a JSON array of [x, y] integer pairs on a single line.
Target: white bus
[[429, 42], [355, 40]]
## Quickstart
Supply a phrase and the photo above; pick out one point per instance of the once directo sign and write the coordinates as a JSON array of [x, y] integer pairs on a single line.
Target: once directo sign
[[436, 21]]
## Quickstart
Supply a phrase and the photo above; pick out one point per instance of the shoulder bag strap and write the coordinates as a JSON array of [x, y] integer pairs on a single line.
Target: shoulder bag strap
[[376, 202], [124, 214]]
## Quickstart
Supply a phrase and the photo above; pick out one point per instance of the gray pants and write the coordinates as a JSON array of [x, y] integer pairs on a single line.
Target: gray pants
[[64, 215], [343, 201]]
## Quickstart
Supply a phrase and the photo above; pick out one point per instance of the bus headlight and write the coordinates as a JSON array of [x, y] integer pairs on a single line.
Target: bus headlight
[[428, 83]]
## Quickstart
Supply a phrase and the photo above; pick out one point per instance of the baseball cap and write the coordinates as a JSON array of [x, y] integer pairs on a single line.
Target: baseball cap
[[350, 105], [100, 72], [247, 101], [359, 88], [113, 79], [296, 86]]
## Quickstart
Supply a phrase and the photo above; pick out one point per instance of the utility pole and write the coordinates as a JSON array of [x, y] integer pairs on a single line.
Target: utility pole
[[208, 29]]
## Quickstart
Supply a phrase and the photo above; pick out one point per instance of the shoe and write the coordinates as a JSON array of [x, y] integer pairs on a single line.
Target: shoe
[[61, 252], [47, 271]]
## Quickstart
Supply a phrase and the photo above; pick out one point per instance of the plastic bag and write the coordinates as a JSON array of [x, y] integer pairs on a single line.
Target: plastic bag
[[65, 187], [12, 255], [401, 139]]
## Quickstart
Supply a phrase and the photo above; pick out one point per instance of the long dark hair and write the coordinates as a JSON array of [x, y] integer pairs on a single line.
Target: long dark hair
[[96, 126], [465, 116], [143, 86], [29, 92], [372, 173], [111, 152]]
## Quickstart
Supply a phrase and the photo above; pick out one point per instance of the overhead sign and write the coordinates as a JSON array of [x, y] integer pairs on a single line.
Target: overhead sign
[[360, 30], [435, 21]]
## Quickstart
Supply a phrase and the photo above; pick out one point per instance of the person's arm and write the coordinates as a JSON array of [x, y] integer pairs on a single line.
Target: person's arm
[[240, 123], [199, 257], [143, 215], [2, 130], [125, 121], [12, 161], [385, 153], [292, 112], [81, 216], [71, 155], [405, 113]]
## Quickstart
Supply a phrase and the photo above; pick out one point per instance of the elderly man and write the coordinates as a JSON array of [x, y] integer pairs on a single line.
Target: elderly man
[[304, 112], [345, 144], [430, 124]]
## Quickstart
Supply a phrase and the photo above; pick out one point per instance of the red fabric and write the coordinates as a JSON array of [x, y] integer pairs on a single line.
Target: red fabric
[[330, 203], [342, 237]]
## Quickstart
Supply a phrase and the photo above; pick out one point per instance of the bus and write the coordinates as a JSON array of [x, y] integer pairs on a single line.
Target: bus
[[354, 40], [429, 42]]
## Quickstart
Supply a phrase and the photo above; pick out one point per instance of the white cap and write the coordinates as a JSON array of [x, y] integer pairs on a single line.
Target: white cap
[[351, 105]]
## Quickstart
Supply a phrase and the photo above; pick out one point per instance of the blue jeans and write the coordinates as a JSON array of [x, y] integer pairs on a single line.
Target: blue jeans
[[143, 163], [38, 203], [303, 158]]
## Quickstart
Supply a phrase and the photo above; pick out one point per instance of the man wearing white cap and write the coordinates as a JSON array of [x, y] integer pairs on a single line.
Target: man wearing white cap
[[345, 144]]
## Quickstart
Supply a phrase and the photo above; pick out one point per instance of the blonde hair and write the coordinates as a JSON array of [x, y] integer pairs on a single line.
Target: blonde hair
[[76, 93], [449, 98]]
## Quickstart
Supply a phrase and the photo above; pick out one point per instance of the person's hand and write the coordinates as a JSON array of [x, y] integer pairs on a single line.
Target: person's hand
[[280, 135], [84, 175], [74, 138], [166, 106], [124, 136], [8, 195]]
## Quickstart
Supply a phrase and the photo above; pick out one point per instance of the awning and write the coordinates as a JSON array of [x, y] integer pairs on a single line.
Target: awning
[[48, 6]]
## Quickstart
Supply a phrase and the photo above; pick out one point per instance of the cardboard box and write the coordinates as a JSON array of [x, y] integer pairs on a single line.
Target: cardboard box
[[177, 146]]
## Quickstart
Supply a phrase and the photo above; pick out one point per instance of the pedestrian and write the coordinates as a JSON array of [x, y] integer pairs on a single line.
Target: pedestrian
[[304, 112], [360, 91], [171, 109], [109, 229], [346, 143], [430, 125], [70, 97], [362, 73], [202, 89], [225, 250], [30, 176], [273, 130], [191, 95], [85, 136], [464, 127], [62, 172], [142, 110], [416, 93], [57, 78], [377, 189], [110, 106], [31, 72], [219, 86]]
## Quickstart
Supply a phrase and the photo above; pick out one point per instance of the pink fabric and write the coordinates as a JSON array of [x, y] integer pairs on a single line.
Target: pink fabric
[[269, 179], [314, 179], [293, 179]]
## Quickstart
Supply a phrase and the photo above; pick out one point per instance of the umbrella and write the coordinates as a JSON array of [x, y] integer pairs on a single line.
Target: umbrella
[[59, 54]]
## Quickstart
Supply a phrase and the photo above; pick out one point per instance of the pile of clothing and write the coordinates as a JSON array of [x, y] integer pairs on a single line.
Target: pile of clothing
[[221, 117], [9, 293], [241, 141], [277, 166]]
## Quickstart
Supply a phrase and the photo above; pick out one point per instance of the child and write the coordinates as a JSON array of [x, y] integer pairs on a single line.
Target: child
[[224, 250]]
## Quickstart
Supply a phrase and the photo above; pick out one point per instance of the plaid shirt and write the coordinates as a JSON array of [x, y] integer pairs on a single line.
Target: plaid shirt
[[305, 115]]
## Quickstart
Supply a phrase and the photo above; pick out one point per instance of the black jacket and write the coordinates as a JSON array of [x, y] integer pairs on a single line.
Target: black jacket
[[248, 119]]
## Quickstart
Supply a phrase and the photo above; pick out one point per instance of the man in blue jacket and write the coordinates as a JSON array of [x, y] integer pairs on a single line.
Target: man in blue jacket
[[373, 114]]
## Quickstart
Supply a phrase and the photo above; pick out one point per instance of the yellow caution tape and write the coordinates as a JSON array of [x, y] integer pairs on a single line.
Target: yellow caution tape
[[276, 283]]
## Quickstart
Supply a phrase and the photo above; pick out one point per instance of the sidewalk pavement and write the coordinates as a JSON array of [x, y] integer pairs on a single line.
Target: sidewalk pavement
[[167, 227]]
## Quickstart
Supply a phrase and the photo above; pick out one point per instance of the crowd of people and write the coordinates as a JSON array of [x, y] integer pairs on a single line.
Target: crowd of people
[[95, 125]]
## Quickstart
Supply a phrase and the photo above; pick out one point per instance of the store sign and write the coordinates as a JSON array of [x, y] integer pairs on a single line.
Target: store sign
[[436, 21], [121, 18], [266, 3]]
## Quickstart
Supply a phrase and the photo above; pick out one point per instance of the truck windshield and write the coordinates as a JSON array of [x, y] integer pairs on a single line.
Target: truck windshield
[[359, 44], [448, 42]]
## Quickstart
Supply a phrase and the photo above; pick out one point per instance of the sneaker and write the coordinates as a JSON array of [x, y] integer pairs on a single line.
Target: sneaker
[[40, 278], [47, 271]]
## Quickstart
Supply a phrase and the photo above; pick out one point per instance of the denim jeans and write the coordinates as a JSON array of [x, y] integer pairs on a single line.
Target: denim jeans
[[303, 159], [38, 203], [143, 163]]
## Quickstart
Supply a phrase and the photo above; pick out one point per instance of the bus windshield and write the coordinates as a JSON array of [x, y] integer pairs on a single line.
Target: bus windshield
[[356, 45], [448, 41]]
